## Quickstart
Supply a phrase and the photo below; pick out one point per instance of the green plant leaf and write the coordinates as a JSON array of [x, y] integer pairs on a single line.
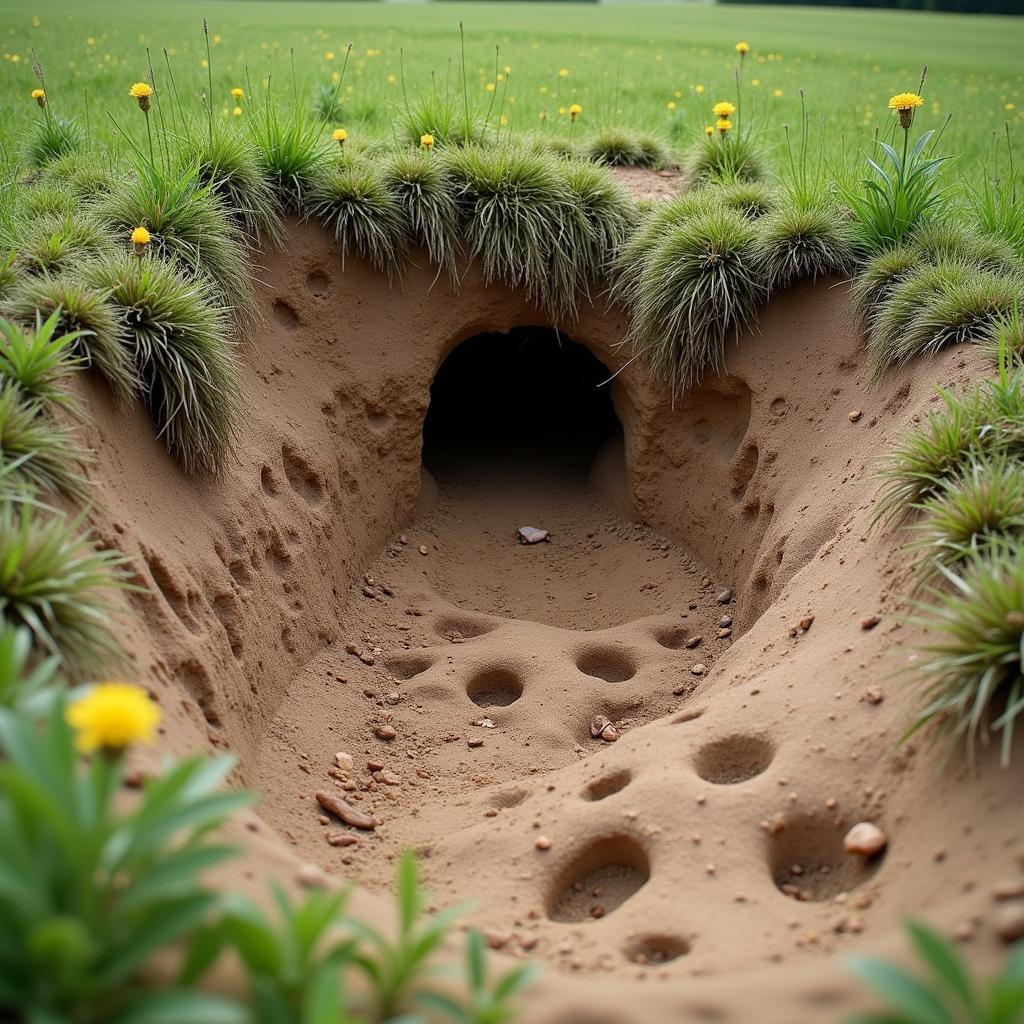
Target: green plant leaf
[[946, 967], [905, 992], [177, 1007]]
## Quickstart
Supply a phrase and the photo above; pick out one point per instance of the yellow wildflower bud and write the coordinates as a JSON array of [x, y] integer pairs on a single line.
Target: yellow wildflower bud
[[723, 124], [427, 140], [743, 48], [111, 716], [905, 103], [237, 93], [339, 135], [40, 97], [141, 91]]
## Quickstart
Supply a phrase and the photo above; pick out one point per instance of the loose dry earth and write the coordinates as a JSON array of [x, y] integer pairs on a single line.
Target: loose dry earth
[[349, 610]]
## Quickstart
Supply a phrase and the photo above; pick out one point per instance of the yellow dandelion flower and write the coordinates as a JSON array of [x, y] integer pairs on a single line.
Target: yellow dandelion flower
[[141, 91], [339, 135], [111, 716], [905, 101], [698, 89], [709, 129], [1009, 106], [427, 140], [563, 72], [329, 55], [777, 92], [40, 97], [237, 93], [723, 124], [392, 79], [723, 109], [671, 104], [140, 236], [489, 87], [743, 48], [755, 81], [500, 78], [574, 111], [236, 111]]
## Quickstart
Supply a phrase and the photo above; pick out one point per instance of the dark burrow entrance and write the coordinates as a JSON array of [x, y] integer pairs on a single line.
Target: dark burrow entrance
[[530, 400], [523, 431]]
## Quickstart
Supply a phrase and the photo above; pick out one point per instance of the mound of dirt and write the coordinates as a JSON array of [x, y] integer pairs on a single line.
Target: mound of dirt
[[636, 745]]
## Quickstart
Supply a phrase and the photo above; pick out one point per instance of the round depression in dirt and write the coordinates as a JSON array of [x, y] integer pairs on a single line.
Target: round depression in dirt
[[495, 687]]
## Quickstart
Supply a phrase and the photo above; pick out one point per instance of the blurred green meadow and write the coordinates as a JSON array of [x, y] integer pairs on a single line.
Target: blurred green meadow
[[643, 67]]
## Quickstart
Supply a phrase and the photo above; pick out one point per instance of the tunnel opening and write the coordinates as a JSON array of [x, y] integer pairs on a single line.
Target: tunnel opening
[[529, 402]]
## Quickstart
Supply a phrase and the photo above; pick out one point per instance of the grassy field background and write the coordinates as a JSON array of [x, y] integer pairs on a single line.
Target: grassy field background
[[627, 65]]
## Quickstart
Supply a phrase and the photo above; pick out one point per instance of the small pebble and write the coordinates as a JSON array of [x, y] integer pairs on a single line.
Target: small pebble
[[1010, 922], [865, 839], [542, 843], [854, 415], [309, 876]]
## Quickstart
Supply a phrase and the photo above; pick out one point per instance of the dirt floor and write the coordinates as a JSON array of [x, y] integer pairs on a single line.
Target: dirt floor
[[350, 610]]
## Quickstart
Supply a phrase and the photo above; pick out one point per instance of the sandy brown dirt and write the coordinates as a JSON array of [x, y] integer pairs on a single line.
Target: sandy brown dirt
[[647, 184], [694, 869]]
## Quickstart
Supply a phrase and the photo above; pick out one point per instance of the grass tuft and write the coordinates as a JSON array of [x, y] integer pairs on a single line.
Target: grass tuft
[[987, 420], [794, 244], [515, 206], [615, 147], [102, 343], [83, 176], [602, 215], [39, 359], [943, 240], [949, 303], [52, 137], [188, 226], [290, 152], [753, 199], [876, 278], [980, 505], [1006, 338], [630, 258], [36, 451], [425, 194], [971, 663], [354, 202], [701, 283], [230, 168], [178, 339], [737, 158], [56, 242], [54, 582]]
